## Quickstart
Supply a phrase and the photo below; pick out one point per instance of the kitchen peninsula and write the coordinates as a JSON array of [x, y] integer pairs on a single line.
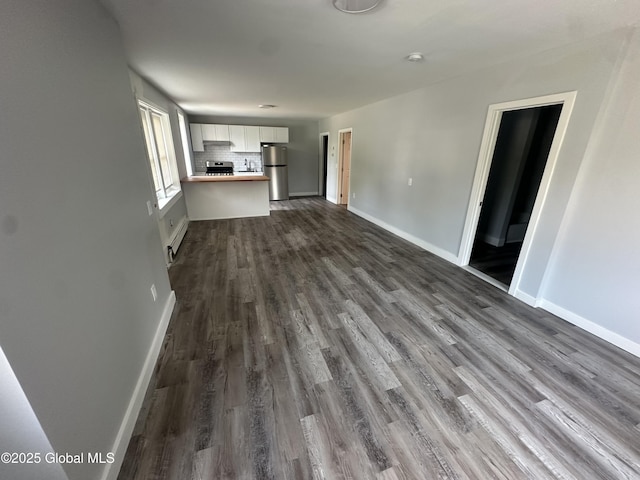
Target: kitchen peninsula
[[231, 196]]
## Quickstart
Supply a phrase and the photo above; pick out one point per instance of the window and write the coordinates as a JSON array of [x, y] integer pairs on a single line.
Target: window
[[157, 134], [185, 144]]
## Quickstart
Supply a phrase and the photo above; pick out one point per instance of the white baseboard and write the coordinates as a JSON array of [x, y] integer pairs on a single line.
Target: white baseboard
[[303, 194], [231, 217], [407, 236], [591, 327], [121, 443], [491, 240], [526, 298]]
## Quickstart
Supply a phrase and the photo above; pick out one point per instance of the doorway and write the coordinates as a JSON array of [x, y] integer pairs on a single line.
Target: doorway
[[324, 160], [519, 158], [518, 154], [344, 166]]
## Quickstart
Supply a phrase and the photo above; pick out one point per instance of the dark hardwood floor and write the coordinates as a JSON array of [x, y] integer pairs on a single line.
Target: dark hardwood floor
[[311, 344]]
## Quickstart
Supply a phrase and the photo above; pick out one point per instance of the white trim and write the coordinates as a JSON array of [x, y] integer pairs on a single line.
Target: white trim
[[491, 240], [592, 327], [485, 277], [303, 194], [198, 219], [184, 140], [407, 236], [568, 101], [128, 423], [492, 125], [163, 207], [526, 298]]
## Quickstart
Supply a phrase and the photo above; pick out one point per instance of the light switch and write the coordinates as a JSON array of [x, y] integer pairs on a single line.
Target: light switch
[[149, 208], [410, 182]]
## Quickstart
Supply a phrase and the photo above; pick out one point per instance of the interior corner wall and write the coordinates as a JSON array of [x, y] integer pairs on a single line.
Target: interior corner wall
[[78, 250], [595, 274], [302, 149], [433, 136]]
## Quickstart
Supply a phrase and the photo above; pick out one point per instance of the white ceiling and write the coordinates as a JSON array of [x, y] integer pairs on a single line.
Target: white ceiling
[[224, 57]]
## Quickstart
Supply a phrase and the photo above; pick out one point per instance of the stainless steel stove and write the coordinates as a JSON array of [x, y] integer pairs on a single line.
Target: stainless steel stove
[[219, 168]]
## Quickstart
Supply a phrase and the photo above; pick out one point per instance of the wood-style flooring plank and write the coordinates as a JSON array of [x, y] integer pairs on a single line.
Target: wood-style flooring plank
[[311, 344]]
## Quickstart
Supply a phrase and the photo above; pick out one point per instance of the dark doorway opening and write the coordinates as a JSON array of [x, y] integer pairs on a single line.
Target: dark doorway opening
[[520, 156], [325, 155]]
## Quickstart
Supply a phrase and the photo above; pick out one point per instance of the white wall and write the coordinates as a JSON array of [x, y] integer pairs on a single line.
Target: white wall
[[433, 136], [302, 149], [595, 274], [78, 251]]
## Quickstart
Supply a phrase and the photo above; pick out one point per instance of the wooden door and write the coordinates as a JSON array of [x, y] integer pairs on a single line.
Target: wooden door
[[345, 167]]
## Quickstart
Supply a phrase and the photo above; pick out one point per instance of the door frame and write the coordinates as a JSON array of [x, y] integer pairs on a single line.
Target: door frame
[[322, 189], [340, 160], [485, 157]]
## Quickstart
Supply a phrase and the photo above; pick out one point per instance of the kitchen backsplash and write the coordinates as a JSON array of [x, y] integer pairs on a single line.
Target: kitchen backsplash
[[221, 153]]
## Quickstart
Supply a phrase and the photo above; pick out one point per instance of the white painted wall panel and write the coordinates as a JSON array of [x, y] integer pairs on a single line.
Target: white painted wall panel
[[596, 269], [78, 251]]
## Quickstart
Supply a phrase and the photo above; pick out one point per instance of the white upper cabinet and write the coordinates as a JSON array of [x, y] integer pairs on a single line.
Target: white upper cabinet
[[274, 134], [236, 137], [222, 133], [196, 137], [267, 134], [282, 135], [244, 138], [215, 133], [252, 137]]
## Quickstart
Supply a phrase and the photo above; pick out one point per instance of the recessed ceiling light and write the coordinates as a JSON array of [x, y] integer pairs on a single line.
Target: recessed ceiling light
[[267, 106], [355, 6], [415, 57]]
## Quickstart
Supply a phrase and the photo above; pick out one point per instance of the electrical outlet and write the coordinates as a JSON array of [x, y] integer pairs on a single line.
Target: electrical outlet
[[171, 222], [149, 208], [410, 182], [154, 292]]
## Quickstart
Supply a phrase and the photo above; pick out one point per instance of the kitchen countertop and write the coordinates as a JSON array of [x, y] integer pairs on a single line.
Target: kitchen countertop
[[244, 177], [211, 197]]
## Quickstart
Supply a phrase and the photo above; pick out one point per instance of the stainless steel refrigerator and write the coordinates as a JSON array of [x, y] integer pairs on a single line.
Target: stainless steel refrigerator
[[274, 162]]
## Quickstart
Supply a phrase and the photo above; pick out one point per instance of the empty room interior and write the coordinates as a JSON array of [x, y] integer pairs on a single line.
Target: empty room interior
[[273, 239]]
